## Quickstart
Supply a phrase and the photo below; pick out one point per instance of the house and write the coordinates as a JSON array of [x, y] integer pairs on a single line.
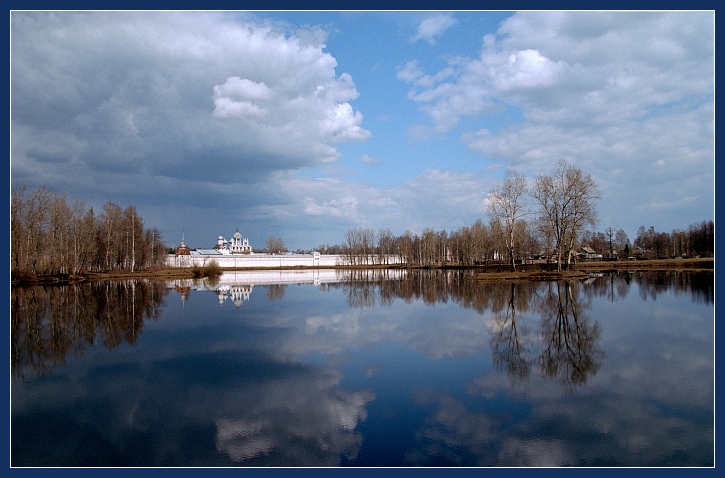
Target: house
[[611, 256], [589, 254]]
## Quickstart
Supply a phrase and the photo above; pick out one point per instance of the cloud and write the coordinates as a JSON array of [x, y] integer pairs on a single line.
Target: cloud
[[432, 27], [611, 92], [408, 206], [367, 159], [240, 97], [211, 120], [194, 91]]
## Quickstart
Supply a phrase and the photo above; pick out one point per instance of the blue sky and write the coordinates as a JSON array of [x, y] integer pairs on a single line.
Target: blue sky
[[302, 125]]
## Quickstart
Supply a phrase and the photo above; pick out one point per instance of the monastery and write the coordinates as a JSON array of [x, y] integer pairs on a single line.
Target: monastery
[[236, 253]]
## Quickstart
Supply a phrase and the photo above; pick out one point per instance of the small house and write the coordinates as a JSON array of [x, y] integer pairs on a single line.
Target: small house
[[589, 254]]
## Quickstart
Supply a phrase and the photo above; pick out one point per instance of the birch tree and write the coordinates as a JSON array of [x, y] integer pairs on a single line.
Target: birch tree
[[566, 200], [507, 206], [385, 244]]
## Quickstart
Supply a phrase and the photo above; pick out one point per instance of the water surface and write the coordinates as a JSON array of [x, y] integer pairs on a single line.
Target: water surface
[[323, 368]]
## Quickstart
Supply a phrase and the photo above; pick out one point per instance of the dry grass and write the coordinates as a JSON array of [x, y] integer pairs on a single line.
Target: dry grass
[[704, 263], [531, 275], [583, 269]]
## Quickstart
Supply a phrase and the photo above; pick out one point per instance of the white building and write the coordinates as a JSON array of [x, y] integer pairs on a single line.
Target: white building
[[236, 245], [236, 253]]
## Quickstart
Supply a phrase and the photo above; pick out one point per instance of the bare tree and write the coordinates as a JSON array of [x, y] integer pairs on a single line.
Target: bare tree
[[482, 245], [385, 244], [133, 226], [507, 205], [49, 236], [353, 244], [367, 242], [17, 227], [275, 245], [111, 219], [429, 242], [405, 246], [621, 240], [58, 249], [566, 200]]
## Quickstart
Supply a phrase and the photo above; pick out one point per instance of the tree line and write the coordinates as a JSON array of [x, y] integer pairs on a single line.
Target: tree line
[[564, 206], [50, 236], [549, 219], [698, 240]]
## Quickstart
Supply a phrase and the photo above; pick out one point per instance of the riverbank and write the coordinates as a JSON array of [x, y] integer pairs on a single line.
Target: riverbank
[[531, 272], [582, 270], [705, 263]]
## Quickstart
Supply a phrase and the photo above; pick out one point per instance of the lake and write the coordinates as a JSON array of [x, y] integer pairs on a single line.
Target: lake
[[374, 368]]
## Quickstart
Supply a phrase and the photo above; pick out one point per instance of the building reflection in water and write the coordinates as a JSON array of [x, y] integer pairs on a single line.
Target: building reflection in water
[[537, 326], [283, 392]]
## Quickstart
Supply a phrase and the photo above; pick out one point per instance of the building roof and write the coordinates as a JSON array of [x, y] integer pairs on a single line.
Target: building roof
[[206, 252]]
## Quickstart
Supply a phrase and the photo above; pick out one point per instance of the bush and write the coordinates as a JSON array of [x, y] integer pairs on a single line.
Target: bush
[[212, 269]]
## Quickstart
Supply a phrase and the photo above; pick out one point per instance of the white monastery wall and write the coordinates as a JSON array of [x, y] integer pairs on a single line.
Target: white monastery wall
[[238, 261], [236, 253]]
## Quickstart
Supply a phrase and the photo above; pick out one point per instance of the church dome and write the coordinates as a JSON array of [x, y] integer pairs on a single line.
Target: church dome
[[182, 250]]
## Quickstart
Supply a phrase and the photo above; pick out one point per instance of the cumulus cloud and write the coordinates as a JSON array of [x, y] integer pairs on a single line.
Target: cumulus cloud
[[240, 97], [432, 27], [526, 69], [606, 91], [212, 120], [169, 85]]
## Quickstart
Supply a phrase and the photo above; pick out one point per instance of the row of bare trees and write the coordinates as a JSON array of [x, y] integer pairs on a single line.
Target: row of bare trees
[[562, 203], [697, 240], [551, 215], [50, 236], [468, 245]]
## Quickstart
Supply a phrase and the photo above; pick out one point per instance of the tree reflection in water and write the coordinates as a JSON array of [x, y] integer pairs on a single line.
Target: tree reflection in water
[[49, 323], [567, 345], [572, 351], [292, 391], [509, 343]]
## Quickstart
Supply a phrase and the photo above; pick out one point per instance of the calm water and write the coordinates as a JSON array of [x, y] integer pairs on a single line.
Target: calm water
[[371, 369]]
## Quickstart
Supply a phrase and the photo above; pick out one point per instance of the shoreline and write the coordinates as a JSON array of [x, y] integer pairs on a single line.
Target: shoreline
[[495, 272]]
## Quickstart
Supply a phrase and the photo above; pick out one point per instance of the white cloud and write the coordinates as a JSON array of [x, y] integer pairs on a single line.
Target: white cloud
[[367, 159], [607, 91], [526, 69], [410, 72], [240, 97], [192, 81], [441, 199], [432, 27], [211, 116]]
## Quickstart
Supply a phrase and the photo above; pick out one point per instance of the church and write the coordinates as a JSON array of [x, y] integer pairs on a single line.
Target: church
[[237, 244], [236, 253]]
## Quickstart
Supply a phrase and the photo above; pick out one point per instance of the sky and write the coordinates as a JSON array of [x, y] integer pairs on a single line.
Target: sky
[[302, 125]]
